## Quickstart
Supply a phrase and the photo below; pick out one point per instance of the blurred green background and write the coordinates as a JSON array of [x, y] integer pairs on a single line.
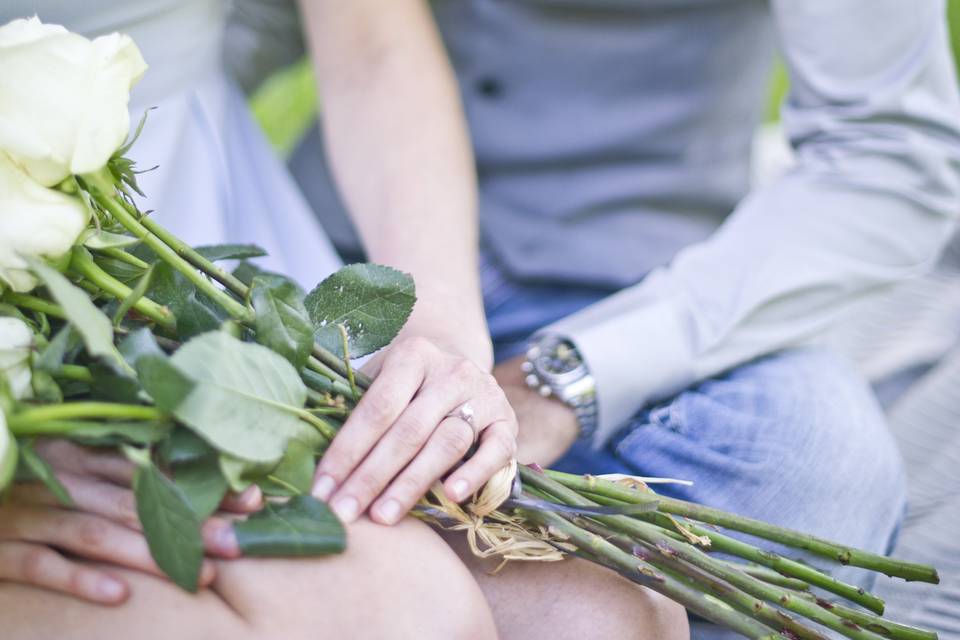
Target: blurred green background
[[284, 105]]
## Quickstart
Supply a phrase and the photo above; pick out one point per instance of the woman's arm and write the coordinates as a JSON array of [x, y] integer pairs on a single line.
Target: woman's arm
[[400, 152], [401, 157]]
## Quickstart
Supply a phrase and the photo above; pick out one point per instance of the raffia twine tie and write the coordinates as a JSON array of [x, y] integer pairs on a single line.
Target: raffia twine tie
[[491, 532]]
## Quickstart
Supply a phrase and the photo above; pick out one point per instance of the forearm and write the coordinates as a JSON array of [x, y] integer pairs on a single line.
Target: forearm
[[399, 148]]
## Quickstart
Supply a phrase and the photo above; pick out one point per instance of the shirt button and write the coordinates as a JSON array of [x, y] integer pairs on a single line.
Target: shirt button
[[489, 87]]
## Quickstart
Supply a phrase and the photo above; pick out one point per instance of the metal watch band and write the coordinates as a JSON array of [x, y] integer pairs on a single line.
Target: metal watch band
[[575, 388]]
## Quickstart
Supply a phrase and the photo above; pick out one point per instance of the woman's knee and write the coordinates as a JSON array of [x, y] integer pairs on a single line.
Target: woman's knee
[[399, 581]]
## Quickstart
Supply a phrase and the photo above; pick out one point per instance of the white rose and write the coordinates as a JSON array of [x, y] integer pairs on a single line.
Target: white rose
[[16, 342], [63, 98], [34, 221]]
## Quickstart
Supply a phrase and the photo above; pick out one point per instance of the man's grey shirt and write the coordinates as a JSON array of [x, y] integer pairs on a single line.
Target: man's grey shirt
[[613, 142]]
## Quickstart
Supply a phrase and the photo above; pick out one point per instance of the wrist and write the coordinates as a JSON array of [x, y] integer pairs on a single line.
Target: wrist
[[554, 368], [455, 332]]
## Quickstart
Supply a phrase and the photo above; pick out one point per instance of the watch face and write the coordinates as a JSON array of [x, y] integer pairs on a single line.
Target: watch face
[[558, 361]]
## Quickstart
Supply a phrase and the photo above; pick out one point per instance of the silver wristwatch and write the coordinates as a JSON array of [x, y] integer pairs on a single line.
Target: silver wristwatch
[[554, 368]]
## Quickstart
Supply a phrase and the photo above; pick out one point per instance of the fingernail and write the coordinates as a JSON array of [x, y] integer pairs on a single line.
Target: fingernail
[[225, 540], [109, 589], [251, 497], [460, 490], [389, 511], [323, 488], [346, 508]]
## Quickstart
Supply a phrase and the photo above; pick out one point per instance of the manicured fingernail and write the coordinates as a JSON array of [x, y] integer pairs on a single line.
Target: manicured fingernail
[[460, 490], [346, 508], [323, 488], [389, 511], [109, 589]]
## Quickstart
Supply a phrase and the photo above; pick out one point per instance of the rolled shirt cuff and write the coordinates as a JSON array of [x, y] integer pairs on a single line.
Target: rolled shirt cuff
[[636, 355]]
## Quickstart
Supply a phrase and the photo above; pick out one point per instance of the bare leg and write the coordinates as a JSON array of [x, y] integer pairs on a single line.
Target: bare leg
[[573, 599], [401, 582]]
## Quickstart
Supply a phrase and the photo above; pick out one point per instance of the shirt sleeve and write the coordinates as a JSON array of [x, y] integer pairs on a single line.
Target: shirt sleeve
[[873, 116]]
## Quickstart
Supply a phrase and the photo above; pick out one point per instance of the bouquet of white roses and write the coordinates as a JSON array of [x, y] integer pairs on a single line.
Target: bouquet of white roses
[[114, 333]]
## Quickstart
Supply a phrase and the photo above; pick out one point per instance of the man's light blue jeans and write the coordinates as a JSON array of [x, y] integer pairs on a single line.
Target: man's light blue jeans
[[796, 438]]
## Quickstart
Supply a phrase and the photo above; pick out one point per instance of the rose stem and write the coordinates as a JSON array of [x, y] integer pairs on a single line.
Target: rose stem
[[642, 573], [237, 310], [653, 535], [34, 303], [844, 555], [122, 256], [187, 260], [237, 286], [74, 372], [82, 262], [725, 544], [768, 575], [338, 384], [881, 626], [86, 410], [722, 589]]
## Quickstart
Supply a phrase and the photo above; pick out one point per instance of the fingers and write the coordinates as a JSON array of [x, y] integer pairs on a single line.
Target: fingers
[[447, 445], [119, 506], [400, 378], [498, 445], [399, 446], [84, 535], [89, 495], [41, 566], [392, 441], [66, 456]]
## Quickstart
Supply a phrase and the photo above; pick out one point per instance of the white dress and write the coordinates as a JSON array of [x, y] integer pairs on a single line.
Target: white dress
[[217, 179]]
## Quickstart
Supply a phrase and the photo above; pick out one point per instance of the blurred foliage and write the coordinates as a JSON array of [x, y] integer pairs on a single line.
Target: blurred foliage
[[779, 83], [285, 104]]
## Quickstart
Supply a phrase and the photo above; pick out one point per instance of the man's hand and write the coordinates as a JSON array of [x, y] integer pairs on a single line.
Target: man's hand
[[548, 427]]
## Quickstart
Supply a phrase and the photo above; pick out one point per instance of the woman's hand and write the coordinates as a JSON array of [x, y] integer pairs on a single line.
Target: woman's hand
[[402, 435], [103, 527]]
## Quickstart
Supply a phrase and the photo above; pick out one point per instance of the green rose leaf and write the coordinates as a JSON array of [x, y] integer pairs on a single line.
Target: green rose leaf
[[100, 239], [122, 271], [46, 389], [139, 342], [42, 471], [93, 326], [61, 348], [294, 475], [303, 526], [371, 301], [240, 474], [245, 398], [183, 446], [166, 384], [8, 454], [247, 271], [202, 484], [216, 252], [110, 387], [195, 313], [170, 524], [282, 322]]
